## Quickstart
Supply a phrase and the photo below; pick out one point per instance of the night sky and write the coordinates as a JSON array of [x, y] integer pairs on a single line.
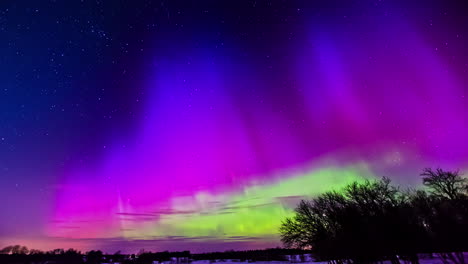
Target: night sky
[[199, 125]]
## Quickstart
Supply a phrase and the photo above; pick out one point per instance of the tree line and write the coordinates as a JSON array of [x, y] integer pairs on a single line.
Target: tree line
[[372, 221], [21, 254], [271, 254]]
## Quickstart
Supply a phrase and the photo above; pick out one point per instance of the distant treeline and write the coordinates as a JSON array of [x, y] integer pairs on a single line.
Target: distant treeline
[[374, 220], [20, 254], [273, 254]]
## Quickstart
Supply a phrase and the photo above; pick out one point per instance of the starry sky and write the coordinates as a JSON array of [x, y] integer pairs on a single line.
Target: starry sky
[[199, 125]]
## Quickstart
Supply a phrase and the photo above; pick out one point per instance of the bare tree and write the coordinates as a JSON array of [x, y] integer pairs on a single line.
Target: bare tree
[[448, 184]]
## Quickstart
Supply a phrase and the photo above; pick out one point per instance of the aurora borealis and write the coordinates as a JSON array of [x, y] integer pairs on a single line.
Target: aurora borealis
[[199, 125]]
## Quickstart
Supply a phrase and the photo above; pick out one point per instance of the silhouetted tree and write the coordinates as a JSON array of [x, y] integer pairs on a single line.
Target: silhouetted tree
[[448, 184], [16, 249], [6, 250], [94, 257], [444, 213], [370, 221]]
